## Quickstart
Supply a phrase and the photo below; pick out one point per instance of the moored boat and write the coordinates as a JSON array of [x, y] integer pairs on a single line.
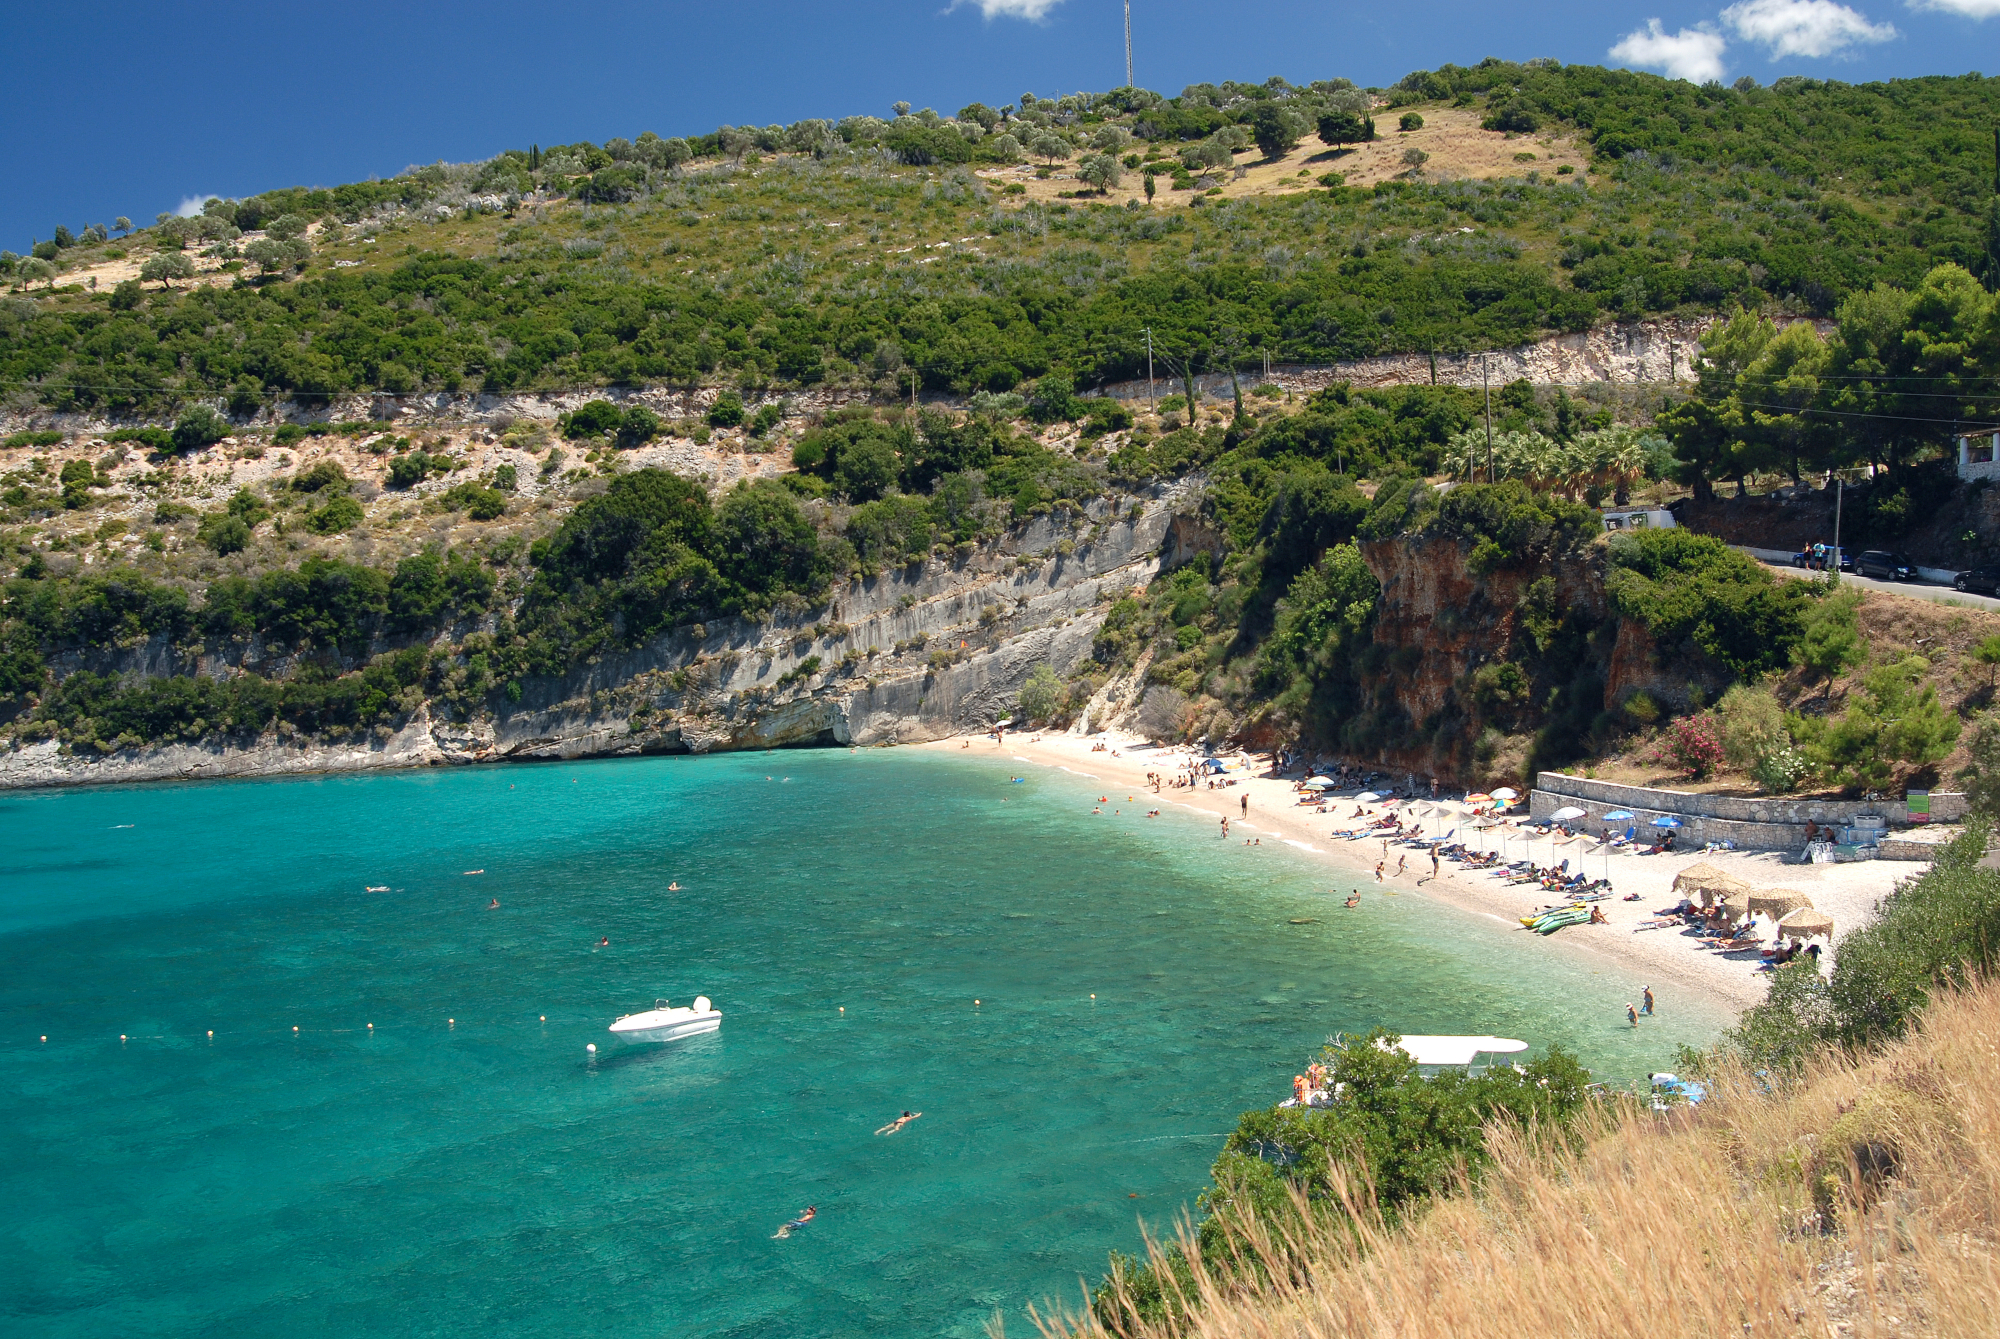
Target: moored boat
[[665, 1022]]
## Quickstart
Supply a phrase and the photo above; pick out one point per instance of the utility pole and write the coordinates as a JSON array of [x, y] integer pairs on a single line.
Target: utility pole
[[1486, 385], [1150, 408], [1839, 496], [1129, 44]]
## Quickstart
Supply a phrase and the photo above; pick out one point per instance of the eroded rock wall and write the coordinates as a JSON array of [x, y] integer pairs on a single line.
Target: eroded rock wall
[[916, 653]]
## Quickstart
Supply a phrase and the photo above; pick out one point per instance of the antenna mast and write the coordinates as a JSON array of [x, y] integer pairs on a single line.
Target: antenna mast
[[1129, 54]]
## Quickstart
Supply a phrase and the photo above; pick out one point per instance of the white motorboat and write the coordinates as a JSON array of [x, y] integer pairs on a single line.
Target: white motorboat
[[664, 1022]]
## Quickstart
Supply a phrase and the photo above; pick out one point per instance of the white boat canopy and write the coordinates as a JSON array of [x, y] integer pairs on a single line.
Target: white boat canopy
[[1454, 1051]]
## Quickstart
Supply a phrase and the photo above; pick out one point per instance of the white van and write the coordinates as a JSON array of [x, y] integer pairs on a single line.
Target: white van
[[1639, 518]]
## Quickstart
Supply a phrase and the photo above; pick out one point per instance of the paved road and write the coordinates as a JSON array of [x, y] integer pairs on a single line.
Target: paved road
[[1781, 562]]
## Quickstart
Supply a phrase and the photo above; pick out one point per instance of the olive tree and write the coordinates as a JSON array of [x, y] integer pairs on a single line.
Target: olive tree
[[1050, 147], [1100, 170], [285, 227], [167, 267]]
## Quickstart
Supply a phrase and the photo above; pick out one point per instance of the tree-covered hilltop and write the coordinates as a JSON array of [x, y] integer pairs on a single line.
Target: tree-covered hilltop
[[870, 251]]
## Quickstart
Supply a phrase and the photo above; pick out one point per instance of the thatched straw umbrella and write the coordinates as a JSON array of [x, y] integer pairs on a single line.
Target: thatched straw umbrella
[[1711, 883], [1806, 924], [1777, 903]]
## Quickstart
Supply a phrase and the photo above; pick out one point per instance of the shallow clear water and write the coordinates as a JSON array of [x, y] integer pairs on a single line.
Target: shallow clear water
[[488, 1176]]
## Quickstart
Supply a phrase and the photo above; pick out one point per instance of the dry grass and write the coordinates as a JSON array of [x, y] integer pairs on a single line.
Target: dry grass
[[1866, 1201]]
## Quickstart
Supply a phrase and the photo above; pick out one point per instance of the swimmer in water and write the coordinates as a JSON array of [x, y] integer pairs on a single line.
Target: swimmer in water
[[1354, 898], [797, 1223], [494, 905], [899, 1122], [604, 942], [673, 887]]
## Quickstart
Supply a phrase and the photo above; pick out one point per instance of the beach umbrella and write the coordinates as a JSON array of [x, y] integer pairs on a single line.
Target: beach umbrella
[[1367, 796], [1506, 793], [1318, 783], [1666, 821], [1566, 813], [1807, 923], [1778, 903], [1618, 814], [1478, 797]]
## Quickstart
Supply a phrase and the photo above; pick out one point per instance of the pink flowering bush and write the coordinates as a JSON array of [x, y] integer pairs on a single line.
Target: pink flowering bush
[[1694, 744]]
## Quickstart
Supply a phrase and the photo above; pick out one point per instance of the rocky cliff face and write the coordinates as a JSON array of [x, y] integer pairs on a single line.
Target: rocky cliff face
[[1547, 650], [912, 654]]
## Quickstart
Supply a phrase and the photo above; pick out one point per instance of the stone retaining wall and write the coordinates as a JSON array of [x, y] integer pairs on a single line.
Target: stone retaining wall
[[1767, 823]]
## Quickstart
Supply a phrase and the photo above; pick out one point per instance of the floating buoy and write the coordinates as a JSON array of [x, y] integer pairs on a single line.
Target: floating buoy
[[295, 1029], [371, 1027], [975, 1001], [545, 1018], [121, 1036], [211, 1033], [46, 1038], [1093, 996], [452, 1021], [592, 1048]]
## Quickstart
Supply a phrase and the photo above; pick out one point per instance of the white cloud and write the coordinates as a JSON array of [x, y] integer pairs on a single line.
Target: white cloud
[[1971, 9], [190, 205], [1693, 54], [1806, 27], [1032, 10]]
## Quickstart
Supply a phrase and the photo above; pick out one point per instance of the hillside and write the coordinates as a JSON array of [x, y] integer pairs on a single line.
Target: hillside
[[595, 448], [842, 252]]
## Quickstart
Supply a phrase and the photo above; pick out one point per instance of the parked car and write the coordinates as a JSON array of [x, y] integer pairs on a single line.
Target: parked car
[[1884, 565], [1985, 579], [1804, 556]]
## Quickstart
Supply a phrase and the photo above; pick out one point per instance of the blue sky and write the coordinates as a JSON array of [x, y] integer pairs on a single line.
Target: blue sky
[[126, 108]]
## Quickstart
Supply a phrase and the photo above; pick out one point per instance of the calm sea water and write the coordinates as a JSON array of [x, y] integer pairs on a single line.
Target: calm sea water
[[465, 1167]]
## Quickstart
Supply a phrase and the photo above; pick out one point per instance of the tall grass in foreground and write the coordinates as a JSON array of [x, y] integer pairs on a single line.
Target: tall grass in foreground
[[1862, 1199]]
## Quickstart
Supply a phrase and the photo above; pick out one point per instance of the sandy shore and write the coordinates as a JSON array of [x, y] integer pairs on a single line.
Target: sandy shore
[[1666, 959]]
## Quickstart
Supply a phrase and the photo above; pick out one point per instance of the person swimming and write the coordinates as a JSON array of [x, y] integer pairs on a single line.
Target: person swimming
[[494, 905], [604, 942], [899, 1122], [673, 887], [797, 1223]]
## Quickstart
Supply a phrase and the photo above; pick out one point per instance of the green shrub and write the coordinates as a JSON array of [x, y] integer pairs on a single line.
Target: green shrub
[[1694, 593], [1043, 697], [44, 437], [1403, 1135], [506, 478], [340, 514], [727, 411], [224, 533], [638, 426], [598, 418], [156, 439], [1411, 121], [198, 427], [478, 502]]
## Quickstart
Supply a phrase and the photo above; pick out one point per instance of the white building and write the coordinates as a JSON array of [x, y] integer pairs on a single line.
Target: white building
[[1979, 455]]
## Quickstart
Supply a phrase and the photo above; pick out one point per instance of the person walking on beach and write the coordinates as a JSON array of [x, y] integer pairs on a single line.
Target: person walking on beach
[[1401, 861], [1246, 805], [1434, 862], [1648, 998], [1378, 870]]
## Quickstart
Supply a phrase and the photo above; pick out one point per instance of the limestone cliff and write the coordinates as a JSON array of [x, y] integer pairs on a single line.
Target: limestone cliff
[[911, 654], [1466, 663]]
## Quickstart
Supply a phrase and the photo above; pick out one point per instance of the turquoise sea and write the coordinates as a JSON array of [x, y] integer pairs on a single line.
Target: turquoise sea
[[465, 1167]]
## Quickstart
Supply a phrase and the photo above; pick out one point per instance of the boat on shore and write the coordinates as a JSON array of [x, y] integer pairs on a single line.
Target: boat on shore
[[665, 1022]]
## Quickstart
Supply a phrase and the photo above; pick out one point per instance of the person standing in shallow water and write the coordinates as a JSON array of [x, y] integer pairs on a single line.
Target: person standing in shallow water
[[1648, 1000]]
